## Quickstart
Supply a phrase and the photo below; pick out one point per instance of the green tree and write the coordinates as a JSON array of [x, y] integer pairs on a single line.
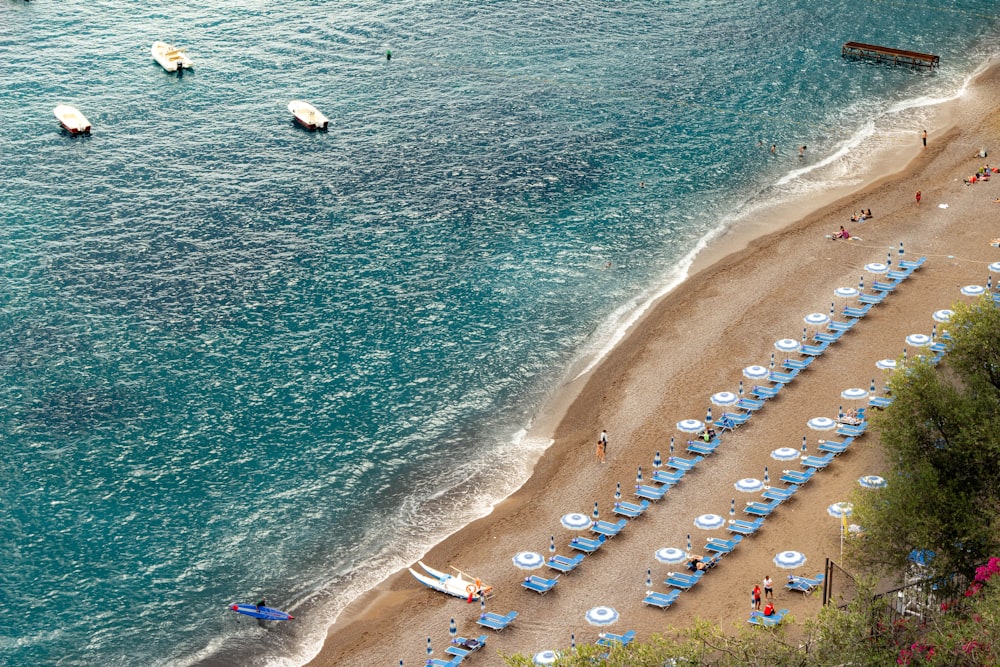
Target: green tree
[[942, 441]]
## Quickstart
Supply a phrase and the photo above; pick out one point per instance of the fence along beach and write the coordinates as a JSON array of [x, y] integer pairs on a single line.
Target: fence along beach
[[691, 345]]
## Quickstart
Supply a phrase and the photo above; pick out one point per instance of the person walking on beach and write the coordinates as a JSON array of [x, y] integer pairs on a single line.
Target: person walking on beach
[[600, 452], [603, 439], [923, 135], [918, 196], [768, 588]]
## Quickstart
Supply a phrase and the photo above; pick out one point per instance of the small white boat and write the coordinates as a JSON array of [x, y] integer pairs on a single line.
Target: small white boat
[[307, 115], [71, 119], [455, 585], [171, 58]]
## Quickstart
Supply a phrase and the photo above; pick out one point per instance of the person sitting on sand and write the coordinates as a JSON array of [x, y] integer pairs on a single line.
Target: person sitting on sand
[[842, 234], [868, 213], [707, 435]]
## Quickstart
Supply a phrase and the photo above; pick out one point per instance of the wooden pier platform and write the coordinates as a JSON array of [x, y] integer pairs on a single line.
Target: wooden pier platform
[[884, 54]]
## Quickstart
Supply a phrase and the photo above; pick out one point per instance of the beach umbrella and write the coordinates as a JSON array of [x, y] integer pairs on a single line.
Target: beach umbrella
[[886, 364], [552, 544], [482, 603], [787, 345], [689, 541], [861, 284], [816, 319], [618, 490], [943, 315], [833, 309], [575, 521], [708, 415], [840, 510], [989, 282], [876, 268], [767, 478], [545, 658], [805, 334], [690, 426], [750, 484], [918, 340], [789, 560], [601, 616], [854, 394], [732, 507], [452, 629], [784, 454], [649, 577], [872, 389], [771, 365], [572, 641], [846, 292], [755, 372], [709, 522], [430, 651], [888, 258], [671, 446], [900, 248], [657, 461], [670, 556], [741, 387], [840, 412], [724, 398], [934, 331], [821, 424], [597, 514], [973, 290], [528, 560], [872, 482], [994, 267], [638, 475]]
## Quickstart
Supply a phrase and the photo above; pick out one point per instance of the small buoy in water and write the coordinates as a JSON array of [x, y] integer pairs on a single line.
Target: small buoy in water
[[388, 55]]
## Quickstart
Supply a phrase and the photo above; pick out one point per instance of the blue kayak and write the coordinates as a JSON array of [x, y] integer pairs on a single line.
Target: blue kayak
[[263, 613]]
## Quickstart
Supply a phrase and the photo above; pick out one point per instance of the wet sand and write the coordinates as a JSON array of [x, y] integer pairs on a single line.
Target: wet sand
[[745, 292]]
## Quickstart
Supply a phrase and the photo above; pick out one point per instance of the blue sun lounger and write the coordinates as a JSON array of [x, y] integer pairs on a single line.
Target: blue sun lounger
[[563, 564], [761, 509], [780, 377], [749, 404], [829, 446], [758, 618], [805, 585], [763, 393], [880, 402], [880, 286], [721, 546], [799, 477], [814, 350], [741, 527], [911, 266], [631, 510], [827, 337], [817, 461], [651, 492], [608, 639], [540, 585], [851, 429], [587, 545], [461, 647], [872, 299], [661, 600], [703, 448], [668, 477], [679, 463], [607, 528], [797, 364], [836, 325], [857, 313], [774, 493], [730, 420], [438, 662], [684, 581], [495, 621]]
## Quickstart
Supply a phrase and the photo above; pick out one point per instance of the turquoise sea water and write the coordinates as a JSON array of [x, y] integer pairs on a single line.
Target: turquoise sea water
[[242, 359]]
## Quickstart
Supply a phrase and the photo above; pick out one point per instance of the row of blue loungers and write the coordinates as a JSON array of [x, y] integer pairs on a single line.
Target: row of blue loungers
[[678, 467]]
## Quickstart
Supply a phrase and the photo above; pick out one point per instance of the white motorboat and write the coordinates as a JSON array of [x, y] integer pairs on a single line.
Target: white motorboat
[[171, 58], [307, 115], [71, 119], [455, 585]]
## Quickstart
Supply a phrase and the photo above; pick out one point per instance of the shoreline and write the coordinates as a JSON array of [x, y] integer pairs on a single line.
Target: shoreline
[[608, 396]]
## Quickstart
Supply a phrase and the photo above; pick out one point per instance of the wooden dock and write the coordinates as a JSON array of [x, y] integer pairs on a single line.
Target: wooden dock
[[882, 54]]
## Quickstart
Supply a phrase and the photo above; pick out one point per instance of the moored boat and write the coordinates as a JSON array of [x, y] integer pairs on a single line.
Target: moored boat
[[307, 115], [171, 58], [456, 585], [71, 119]]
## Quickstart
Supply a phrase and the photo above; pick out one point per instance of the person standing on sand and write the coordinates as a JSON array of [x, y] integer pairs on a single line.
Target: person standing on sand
[[755, 596], [603, 439], [600, 452], [768, 588], [923, 135], [918, 196]]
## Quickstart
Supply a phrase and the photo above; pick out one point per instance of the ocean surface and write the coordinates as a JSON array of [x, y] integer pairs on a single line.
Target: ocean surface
[[242, 359]]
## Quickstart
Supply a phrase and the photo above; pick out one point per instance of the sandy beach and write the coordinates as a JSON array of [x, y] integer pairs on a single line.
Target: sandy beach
[[745, 292]]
